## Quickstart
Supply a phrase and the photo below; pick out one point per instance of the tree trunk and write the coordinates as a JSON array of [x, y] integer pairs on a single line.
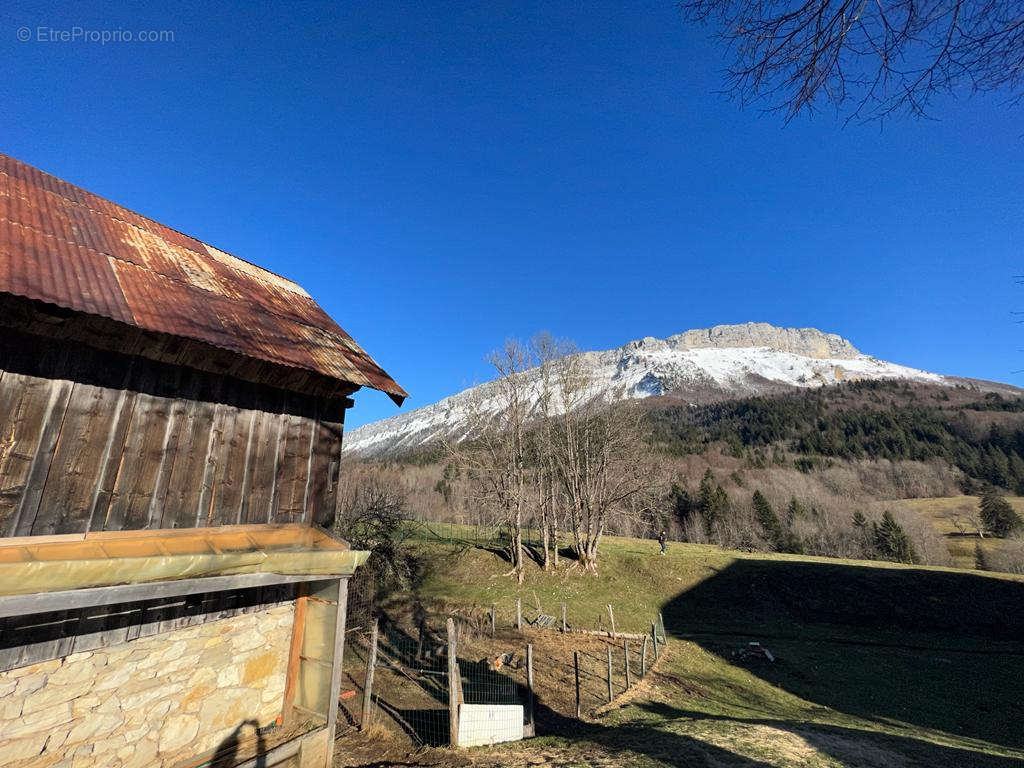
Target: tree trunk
[[517, 546], [546, 538], [554, 517]]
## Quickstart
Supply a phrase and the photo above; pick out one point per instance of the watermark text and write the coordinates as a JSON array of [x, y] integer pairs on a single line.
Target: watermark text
[[78, 34]]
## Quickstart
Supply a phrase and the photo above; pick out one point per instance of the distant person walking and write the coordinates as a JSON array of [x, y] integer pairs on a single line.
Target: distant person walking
[[661, 540]]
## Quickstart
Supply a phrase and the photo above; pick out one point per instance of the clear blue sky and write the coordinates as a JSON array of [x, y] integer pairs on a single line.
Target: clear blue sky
[[443, 175]]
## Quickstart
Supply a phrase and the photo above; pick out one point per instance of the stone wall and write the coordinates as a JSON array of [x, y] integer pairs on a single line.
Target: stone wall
[[150, 702]]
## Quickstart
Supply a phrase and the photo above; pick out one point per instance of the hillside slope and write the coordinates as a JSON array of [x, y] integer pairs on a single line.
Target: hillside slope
[[878, 665], [696, 366]]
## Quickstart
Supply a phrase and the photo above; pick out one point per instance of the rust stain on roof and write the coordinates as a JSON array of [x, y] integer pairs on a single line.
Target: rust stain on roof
[[66, 246]]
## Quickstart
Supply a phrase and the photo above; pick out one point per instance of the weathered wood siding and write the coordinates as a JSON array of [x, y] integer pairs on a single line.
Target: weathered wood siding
[[96, 440]]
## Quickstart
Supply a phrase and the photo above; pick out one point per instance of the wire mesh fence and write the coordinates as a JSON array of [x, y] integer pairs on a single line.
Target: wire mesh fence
[[396, 672], [397, 676]]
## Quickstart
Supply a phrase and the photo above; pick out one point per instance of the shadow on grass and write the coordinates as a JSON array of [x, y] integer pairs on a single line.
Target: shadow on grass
[[936, 650], [849, 746]]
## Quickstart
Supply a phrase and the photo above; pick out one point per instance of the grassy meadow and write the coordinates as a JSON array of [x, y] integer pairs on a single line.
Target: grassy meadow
[[878, 665], [945, 513]]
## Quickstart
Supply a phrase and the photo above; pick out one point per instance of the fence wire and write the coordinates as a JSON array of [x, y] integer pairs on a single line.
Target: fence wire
[[409, 676], [409, 673]]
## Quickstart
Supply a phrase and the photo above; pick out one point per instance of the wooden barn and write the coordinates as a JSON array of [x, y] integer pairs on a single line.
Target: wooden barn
[[171, 423]]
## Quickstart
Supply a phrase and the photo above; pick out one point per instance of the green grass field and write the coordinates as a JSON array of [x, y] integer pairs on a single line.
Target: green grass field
[[877, 664], [943, 512]]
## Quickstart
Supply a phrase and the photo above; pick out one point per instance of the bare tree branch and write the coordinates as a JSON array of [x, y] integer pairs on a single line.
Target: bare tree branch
[[875, 57]]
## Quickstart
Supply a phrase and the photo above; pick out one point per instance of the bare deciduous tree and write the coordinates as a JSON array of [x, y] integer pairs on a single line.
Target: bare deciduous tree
[[548, 353], [494, 454], [880, 56], [601, 461], [373, 514]]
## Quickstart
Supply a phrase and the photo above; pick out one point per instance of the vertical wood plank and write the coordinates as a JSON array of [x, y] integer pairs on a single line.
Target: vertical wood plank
[[92, 420], [181, 497], [336, 668], [52, 421], [259, 496], [323, 481], [293, 465], [27, 404], [371, 666], [611, 695], [141, 457], [576, 671], [294, 650], [530, 727], [158, 515], [242, 511], [625, 656], [454, 685], [113, 460]]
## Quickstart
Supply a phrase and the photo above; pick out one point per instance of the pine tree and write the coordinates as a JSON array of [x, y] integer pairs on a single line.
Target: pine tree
[[998, 518], [1016, 472], [980, 561], [794, 510], [891, 541], [859, 521], [771, 527], [706, 502], [999, 467], [680, 503]]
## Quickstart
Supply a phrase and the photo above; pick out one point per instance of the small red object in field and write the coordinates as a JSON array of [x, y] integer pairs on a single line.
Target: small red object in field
[[348, 694]]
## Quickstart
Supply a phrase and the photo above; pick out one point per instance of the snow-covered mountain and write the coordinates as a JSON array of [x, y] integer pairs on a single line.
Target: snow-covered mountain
[[695, 366]]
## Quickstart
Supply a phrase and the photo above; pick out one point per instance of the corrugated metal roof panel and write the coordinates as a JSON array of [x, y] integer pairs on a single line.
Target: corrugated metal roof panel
[[66, 246]]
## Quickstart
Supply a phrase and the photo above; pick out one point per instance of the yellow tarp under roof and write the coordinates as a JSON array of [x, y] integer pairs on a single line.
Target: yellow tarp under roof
[[36, 564]]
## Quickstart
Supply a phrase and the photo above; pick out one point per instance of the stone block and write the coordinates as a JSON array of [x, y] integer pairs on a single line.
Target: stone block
[[73, 673], [21, 749], [94, 727], [51, 694], [41, 722], [177, 731]]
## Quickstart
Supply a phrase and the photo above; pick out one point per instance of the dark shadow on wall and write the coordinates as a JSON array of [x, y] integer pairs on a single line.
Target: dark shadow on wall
[[227, 753], [911, 648]]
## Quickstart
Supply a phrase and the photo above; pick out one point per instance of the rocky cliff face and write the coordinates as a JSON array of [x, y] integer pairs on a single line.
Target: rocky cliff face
[[808, 342], [695, 366]]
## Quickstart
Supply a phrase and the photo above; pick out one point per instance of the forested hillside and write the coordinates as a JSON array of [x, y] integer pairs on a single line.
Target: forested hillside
[[982, 435]]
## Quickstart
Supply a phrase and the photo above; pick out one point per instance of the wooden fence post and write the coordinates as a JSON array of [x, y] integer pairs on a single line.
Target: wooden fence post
[[611, 618], [492, 620], [530, 728], [371, 665], [654, 636], [661, 622], [625, 653], [643, 659], [576, 668], [563, 619], [519, 613], [454, 687], [610, 694]]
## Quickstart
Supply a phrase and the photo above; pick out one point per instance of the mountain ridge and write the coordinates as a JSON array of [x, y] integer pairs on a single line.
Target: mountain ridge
[[695, 366]]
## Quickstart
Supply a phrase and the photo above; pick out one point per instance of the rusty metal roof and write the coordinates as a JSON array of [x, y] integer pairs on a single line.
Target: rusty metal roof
[[65, 246]]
